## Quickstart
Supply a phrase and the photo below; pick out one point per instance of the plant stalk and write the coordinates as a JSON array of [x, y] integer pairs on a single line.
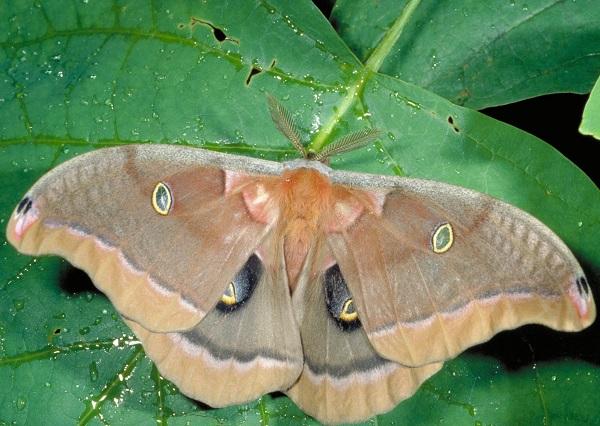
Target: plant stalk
[[372, 65]]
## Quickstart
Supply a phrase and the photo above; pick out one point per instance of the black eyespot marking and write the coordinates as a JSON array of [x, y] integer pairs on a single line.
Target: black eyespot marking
[[339, 300], [242, 286], [24, 206], [582, 286]]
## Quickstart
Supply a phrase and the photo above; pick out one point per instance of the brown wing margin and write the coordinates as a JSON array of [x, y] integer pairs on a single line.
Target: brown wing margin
[[502, 269], [159, 270]]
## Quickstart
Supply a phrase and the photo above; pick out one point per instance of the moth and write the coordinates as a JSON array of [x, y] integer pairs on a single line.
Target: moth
[[343, 290]]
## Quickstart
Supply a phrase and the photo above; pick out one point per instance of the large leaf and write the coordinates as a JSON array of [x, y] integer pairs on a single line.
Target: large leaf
[[482, 53], [78, 76], [590, 123]]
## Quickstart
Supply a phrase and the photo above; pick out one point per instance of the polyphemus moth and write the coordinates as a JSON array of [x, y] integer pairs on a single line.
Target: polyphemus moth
[[343, 290]]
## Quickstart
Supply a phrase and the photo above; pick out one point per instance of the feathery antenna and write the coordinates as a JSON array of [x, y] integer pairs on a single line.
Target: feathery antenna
[[347, 143], [285, 123]]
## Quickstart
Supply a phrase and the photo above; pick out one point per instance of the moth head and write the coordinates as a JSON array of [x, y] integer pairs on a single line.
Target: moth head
[[285, 124]]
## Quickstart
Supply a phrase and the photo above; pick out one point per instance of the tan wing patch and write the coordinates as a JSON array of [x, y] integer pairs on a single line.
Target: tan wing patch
[[133, 292], [360, 395], [204, 376]]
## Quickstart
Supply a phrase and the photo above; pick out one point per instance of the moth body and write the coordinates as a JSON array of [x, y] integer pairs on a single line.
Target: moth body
[[302, 204]]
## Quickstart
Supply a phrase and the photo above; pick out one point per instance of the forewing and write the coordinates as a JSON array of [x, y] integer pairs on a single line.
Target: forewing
[[164, 271], [344, 379], [443, 268], [248, 345]]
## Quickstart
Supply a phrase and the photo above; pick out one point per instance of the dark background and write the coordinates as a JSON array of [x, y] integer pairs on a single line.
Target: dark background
[[555, 119]]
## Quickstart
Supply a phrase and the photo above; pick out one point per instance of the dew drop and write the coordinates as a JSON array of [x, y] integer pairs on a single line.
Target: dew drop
[[170, 389], [84, 330], [146, 395], [93, 371], [19, 304], [21, 403]]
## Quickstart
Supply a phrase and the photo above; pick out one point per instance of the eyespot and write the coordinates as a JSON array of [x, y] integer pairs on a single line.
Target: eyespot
[[240, 289], [229, 297], [162, 200], [24, 205], [443, 238], [348, 313], [339, 300], [583, 287]]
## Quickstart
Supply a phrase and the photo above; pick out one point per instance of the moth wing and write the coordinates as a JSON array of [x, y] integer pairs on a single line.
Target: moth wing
[[344, 379], [164, 271], [442, 268], [243, 348]]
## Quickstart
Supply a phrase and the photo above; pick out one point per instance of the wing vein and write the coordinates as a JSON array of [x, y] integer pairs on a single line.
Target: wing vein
[[362, 292], [433, 304]]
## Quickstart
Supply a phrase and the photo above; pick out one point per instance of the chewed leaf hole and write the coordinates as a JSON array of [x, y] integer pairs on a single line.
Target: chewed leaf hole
[[219, 34], [253, 71], [454, 126]]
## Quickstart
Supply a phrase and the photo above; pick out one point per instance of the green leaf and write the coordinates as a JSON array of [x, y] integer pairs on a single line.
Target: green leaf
[[482, 53], [590, 124], [77, 76]]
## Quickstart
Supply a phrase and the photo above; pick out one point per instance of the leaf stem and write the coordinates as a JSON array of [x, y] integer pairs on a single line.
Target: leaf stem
[[161, 414], [391, 37], [94, 404], [52, 351], [371, 67], [347, 101]]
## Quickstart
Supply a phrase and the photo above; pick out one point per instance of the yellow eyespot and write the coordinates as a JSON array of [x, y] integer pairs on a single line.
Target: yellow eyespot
[[443, 238], [348, 313], [162, 200], [229, 297]]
